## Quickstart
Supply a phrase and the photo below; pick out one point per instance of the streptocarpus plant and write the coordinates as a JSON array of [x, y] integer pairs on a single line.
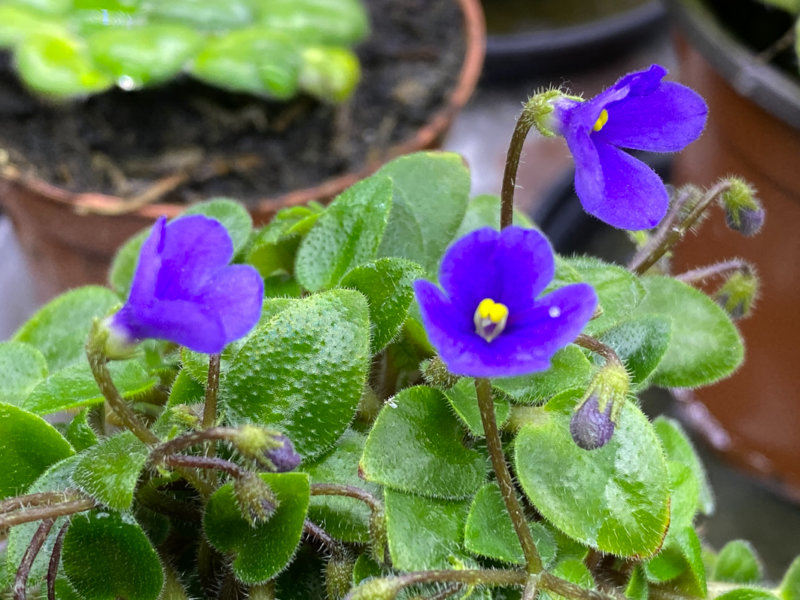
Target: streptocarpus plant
[[272, 48], [426, 403]]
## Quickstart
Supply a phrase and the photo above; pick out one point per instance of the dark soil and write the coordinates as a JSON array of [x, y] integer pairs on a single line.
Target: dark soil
[[235, 145]]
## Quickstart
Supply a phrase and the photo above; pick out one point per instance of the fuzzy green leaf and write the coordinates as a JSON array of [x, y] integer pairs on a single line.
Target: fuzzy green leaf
[[790, 584], [431, 190], [705, 345], [484, 211], [574, 571], [342, 22], [387, 284], [747, 594], [615, 498], [75, 387], [346, 235], [424, 533], [22, 366], [79, 433], [416, 445], [109, 470], [680, 562], [738, 562], [569, 368], [346, 519], [490, 533], [59, 329], [637, 587], [640, 344], [107, 556], [274, 248], [463, 398], [262, 551], [303, 371], [28, 445]]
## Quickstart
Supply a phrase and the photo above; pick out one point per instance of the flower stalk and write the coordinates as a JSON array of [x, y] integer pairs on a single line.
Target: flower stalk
[[212, 391], [533, 561], [24, 570], [48, 511]]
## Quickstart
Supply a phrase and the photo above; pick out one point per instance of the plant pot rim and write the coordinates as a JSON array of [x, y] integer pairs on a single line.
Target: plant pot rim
[[263, 209], [766, 86]]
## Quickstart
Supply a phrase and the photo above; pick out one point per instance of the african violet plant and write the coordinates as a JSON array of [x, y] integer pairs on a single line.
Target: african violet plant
[[272, 48], [403, 395]]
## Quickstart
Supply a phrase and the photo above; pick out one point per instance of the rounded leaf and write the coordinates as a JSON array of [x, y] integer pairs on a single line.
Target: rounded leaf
[[22, 366]]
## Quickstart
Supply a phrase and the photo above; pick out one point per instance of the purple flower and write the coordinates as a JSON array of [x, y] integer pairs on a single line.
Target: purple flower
[[639, 112], [184, 291], [488, 322]]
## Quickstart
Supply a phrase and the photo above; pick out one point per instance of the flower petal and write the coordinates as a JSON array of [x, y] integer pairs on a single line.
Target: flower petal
[[628, 193], [665, 120], [467, 273], [145, 276], [236, 294]]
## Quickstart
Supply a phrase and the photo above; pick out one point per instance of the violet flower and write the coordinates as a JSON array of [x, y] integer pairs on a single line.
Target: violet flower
[[185, 291], [488, 322], [639, 112]]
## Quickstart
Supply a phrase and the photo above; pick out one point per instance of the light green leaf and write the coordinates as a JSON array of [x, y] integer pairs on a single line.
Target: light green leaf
[[22, 366], [490, 533], [108, 471], [387, 284], [201, 14], [107, 556], [615, 498], [574, 571], [28, 445], [705, 345], [431, 190], [746, 594], [790, 584], [75, 386], [738, 562], [637, 587], [346, 235], [274, 248], [681, 563], [346, 519], [123, 266], [79, 433], [303, 371], [424, 533], [416, 445], [329, 73], [569, 368], [231, 214], [484, 211], [262, 551], [17, 22], [59, 329], [463, 398], [341, 22], [641, 344]]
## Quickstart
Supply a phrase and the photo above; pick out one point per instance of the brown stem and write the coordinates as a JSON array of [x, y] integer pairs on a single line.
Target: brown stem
[[716, 270], [598, 347], [334, 548], [551, 583], [38, 499], [350, 491], [21, 578], [204, 462], [50, 511], [495, 446], [212, 389], [523, 126], [55, 558], [95, 352], [189, 439], [447, 592], [531, 589]]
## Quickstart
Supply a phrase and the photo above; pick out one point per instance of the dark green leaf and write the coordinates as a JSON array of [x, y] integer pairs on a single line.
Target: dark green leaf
[[59, 329], [705, 345], [262, 551], [109, 470], [416, 445], [303, 371], [637, 587], [79, 433], [22, 366], [346, 235], [431, 190], [424, 533], [387, 284], [463, 399], [640, 344], [28, 445], [615, 498], [738, 562], [107, 556]]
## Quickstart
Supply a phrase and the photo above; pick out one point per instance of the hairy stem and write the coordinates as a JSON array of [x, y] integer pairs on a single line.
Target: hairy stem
[[598, 347], [212, 390], [21, 578], [719, 269], [95, 352], [191, 438], [334, 548], [531, 589], [55, 558], [49, 511], [551, 583], [350, 491], [495, 446], [204, 462], [38, 499], [523, 126]]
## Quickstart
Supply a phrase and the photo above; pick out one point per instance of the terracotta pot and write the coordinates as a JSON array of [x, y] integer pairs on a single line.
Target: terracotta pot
[[753, 131], [68, 242]]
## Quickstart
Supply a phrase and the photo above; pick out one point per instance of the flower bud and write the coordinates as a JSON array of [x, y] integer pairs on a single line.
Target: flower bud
[[269, 448], [436, 374], [338, 577], [383, 588], [738, 294], [595, 419], [541, 110], [256, 500], [378, 535], [743, 212]]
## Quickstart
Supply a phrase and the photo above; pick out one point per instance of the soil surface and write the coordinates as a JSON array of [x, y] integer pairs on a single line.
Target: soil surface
[[135, 143]]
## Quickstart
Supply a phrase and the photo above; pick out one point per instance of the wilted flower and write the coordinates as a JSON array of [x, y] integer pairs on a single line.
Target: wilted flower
[[488, 322], [185, 291], [639, 112]]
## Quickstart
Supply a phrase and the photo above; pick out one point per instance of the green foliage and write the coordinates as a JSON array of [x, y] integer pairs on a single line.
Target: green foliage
[[23, 366], [271, 48], [738, 562], [789, 588], [463, 399], [640, 344]]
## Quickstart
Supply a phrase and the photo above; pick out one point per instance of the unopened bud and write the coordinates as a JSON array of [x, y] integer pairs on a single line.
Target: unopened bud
[[595, 419], [738, 294], [256, 500], [382, 588], [542, 110], [436, 374], [338, 577], [743, 212], [271, 449], [377, 535]]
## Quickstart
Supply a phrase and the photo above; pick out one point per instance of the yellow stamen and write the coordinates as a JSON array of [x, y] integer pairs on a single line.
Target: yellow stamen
[[490, 318], [601, 120]]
